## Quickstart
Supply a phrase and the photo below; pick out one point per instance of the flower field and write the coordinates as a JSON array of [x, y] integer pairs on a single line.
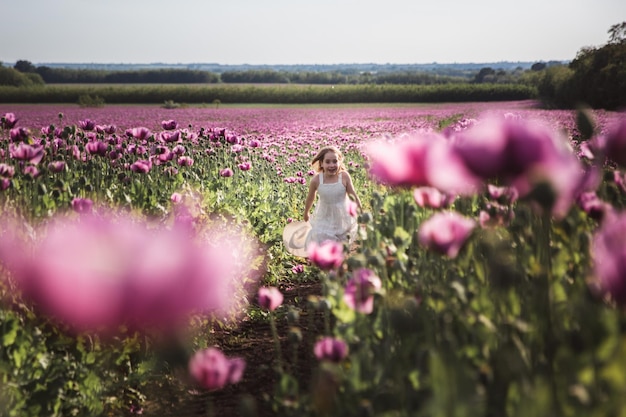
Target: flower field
[[143, 269]]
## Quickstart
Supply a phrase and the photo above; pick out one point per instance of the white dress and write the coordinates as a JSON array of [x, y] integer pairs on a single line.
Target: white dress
[[330, 219]]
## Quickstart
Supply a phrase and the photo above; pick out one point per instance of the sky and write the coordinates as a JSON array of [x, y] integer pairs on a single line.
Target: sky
[[286, 32]]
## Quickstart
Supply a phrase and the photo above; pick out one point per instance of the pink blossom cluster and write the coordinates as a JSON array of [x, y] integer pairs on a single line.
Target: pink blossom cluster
[[99, 271]]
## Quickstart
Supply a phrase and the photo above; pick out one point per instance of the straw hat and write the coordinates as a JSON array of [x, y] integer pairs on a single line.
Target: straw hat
[[294, 237]]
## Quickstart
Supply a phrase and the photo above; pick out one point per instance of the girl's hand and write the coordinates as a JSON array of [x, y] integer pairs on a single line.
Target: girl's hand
[[306, 217]]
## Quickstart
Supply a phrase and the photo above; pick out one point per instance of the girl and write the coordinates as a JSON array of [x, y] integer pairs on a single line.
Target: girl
[[331, 219]]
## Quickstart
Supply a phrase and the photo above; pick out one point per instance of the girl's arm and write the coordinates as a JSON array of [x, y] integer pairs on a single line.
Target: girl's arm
[[351, 191], [310, 198]]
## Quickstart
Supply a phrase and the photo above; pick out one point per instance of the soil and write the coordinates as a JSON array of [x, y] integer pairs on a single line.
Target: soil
[[253, 341]]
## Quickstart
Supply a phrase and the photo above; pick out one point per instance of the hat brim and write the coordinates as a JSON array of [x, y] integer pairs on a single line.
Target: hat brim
[[294, 237]]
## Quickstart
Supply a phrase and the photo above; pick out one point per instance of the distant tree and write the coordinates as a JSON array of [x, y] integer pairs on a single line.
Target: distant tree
[[596, 77], [538, 66], [14, 78], [24, 66], [484, 74], [617, 33]]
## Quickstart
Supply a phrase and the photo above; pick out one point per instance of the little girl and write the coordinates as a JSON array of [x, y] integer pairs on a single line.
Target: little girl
[[331, 219]]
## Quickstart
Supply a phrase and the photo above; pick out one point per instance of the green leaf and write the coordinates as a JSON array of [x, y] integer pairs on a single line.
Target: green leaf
[[10, 333]]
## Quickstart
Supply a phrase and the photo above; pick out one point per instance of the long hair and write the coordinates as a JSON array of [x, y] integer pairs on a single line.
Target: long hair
[[317, 161]]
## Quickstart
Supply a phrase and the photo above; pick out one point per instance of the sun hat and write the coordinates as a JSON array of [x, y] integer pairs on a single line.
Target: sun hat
[[294, 237]]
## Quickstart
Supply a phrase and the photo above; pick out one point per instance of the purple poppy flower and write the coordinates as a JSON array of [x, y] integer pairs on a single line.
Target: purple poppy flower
[[24, 152], [185, 161], [270, 298], [432, 198], [107, 269], [330, 349], [608, 251], [82, 205], [176, 198], [226, 172], [169, 124], [87, 124], [360, 289], [446, 232], [19, 134], [421, 160], [4, 183], [8, 121], [56, 166], [615, 143], [97, 148], [245, 166], [141, 133], [170, 137], [212, 370], [6, 170], [327, 255], [142, 166]]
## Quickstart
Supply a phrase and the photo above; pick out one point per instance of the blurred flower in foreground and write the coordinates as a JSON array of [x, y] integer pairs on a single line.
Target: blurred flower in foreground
[[425, 160], [614, 143], [446, 232], [212, 370], [330, 349], [360, 290], [525, 154], [98, 272], [609, 252], [327, 255], [270, 298]]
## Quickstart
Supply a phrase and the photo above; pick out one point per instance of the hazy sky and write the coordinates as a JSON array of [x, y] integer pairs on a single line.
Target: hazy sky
[[302, 32]]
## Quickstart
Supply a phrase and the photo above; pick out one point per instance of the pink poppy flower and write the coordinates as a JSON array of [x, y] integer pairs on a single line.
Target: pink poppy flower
[[6, 170], [270, 298], [19, 134], [226, 172], [97, 148], [141, 133], [8, 121], [185, 161], [31, 171], [141, 166], [23, 152], [87, 124], [169, 124], [608, 251], [525, 154], [426, 160], [212, 370], [56, 166], [360, 289], [331, 349], [176, 198], [98, 272], [245, 166], [615, 143], [5, 183], [446, 232], [82, 205], [327, 255], [431, 198]]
